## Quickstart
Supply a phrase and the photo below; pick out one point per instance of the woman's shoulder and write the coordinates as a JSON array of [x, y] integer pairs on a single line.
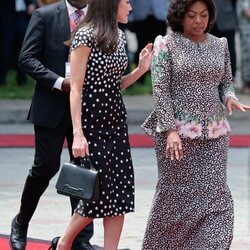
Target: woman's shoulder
[[163, 42], [159, 42], [218, 40], [83, 36], [85, 30], [165, 39]]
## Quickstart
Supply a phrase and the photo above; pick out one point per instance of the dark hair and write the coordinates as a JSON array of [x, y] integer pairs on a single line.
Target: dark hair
[[178, 9], [102, 17]]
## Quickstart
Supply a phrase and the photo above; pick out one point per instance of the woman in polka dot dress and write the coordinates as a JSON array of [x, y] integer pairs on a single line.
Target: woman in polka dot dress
[[98, 61], [192, 207]]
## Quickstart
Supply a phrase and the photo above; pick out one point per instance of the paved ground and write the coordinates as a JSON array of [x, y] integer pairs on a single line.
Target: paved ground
[[53, 212]]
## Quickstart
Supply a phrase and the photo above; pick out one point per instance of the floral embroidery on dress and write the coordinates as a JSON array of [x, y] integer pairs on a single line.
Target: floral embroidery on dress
[[159, 45], [187, 125], [156, 63], [217, 126], [161, 55], [190, 126]]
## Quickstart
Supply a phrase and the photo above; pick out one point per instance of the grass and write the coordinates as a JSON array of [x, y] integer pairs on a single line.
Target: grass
[[140, 88], [12, 91]]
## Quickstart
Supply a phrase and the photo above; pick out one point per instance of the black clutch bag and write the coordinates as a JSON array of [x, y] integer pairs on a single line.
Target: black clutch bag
[[79, 181]]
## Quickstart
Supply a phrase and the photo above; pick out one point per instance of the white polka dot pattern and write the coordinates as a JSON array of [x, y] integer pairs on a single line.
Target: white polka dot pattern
[[104, 124]]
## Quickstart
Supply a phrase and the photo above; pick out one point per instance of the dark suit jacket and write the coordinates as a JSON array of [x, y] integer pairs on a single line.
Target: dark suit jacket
[[43, 56], [226, 19]]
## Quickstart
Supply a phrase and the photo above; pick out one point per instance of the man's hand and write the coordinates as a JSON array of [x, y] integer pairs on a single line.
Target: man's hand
[[66, 85]]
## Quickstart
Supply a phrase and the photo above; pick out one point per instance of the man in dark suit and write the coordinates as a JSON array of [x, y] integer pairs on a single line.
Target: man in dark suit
[[43, 56], [14, 18]]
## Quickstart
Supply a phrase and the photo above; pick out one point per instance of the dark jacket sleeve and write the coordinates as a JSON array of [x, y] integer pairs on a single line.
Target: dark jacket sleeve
[[31, 55]]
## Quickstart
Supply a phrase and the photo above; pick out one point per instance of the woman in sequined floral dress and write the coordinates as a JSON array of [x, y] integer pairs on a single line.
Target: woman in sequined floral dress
[[192, 84]]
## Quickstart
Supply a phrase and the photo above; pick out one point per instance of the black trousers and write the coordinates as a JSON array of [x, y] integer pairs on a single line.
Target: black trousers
[[48, 149]]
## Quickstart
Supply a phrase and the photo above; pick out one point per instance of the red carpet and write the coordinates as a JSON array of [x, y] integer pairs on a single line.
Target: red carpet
[[33, 244], [136, 141]]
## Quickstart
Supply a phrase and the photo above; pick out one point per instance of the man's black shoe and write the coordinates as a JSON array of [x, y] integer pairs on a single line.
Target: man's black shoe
[[83, 246], [18, 235]]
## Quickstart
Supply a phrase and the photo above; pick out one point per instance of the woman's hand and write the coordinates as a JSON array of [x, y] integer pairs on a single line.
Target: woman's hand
[[246, 13], [80, 147], [233, 104], [174, 145], [145, 58]]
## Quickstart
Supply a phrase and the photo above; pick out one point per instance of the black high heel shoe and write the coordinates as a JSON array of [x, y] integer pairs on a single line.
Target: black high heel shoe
[[54, 243]]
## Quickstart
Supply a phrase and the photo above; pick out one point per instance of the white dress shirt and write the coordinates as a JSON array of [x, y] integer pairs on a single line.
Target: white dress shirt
[[72, 15]]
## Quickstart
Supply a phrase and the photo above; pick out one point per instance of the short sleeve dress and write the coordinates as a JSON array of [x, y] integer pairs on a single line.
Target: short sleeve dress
[[104, 125]]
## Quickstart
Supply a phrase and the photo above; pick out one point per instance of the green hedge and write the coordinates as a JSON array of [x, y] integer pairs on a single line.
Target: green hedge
[[12, 91]]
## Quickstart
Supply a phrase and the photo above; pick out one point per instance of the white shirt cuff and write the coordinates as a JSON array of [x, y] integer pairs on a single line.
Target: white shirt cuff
[[58, 83]]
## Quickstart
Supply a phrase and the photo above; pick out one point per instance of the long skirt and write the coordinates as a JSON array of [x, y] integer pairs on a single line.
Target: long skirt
[[192, 207]]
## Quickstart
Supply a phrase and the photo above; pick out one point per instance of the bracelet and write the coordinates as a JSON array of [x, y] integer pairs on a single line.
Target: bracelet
[[76, 130], [231, 96]]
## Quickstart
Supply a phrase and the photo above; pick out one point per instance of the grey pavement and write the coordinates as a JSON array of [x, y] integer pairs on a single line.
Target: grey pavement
[[53, 211]]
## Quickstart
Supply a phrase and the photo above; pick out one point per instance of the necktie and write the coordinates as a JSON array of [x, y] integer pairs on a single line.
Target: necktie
[[78, 16]]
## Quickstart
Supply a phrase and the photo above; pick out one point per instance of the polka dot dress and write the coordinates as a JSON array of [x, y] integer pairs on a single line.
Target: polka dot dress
[[104, 125]]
